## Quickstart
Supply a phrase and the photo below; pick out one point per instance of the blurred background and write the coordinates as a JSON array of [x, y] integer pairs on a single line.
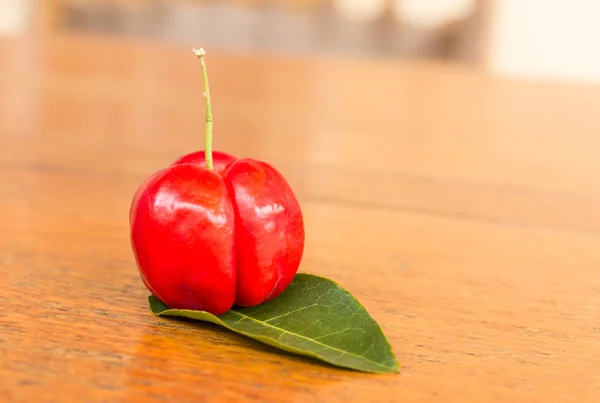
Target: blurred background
[[521, 39]]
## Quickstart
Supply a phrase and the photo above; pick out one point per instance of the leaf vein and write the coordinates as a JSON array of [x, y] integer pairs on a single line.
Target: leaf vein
[[289, 313], [334, 333]]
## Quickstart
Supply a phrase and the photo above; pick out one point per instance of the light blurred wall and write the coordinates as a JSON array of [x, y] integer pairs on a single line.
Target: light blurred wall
[[545, 39], [15, 16]]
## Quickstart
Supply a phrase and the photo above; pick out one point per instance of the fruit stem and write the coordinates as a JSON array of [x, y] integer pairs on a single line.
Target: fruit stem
[[209, 119]]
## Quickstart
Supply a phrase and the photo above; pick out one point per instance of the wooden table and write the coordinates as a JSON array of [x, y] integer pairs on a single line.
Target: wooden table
[[463, 212]]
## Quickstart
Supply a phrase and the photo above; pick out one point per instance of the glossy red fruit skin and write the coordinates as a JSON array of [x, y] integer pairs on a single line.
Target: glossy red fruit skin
[[269, 230], [221, 160], [183, 238]]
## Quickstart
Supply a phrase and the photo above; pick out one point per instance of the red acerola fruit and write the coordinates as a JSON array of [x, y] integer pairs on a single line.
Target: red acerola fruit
[[208, 233], [205, 241]]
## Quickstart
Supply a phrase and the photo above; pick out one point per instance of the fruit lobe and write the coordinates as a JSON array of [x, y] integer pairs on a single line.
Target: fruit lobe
[[183, 237], [269, 230]]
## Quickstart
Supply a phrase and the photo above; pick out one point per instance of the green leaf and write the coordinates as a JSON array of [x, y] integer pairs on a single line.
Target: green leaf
[[314, 317]]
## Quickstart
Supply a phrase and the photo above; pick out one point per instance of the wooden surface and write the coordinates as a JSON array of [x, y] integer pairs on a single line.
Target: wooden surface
[[463, 212]]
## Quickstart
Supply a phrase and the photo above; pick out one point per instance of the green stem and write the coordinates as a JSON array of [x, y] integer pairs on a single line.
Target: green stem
[[209, 120]]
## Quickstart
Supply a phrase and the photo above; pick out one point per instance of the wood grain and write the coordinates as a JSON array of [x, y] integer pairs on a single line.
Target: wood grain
[[463, 212]]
